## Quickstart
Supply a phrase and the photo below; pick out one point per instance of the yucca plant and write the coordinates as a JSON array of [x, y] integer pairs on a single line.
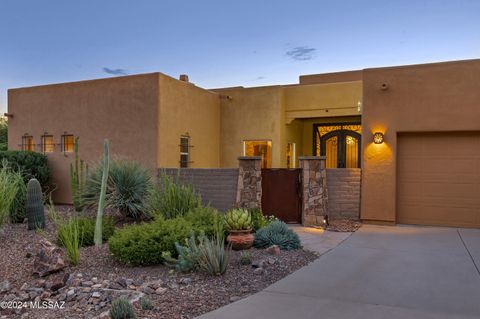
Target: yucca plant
[[8, 190], [122, 309], [214, 257], [170, 198], [127, 189]]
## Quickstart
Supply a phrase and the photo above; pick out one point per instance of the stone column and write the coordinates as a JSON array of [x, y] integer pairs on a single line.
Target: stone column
[[249, 189], [314, 190]]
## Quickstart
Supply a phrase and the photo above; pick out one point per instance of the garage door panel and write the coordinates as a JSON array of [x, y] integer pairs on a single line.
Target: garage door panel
[[438, 179]]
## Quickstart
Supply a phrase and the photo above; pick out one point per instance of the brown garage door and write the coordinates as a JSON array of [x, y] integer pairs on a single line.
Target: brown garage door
[[438, 179]]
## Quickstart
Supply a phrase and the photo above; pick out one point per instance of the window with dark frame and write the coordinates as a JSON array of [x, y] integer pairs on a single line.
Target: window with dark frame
[[47, 143], [68, 143], [27, 143], [184, 151]]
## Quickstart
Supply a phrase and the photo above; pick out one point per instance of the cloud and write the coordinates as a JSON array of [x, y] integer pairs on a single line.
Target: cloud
[[302, 53], [115, 71], [259, 78]]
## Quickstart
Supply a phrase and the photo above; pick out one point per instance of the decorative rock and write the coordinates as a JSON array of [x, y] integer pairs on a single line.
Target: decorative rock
[[87, 283], [71, 292], [273, 250], [62, 297], [96, 294], [148, 290], [122, 282], [258, 263], [96, 286], [129, 282], [59, 282], [235, 298], [160, 290], [24, 286], [49, 259], [271, 261], [258, 271], [185, 281], [115, 285], [5, 286]]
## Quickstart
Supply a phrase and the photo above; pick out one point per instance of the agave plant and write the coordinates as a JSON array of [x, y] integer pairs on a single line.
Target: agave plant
[[238, 219]]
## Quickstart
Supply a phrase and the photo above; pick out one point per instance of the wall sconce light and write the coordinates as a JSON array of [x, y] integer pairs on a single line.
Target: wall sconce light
[[378, 138], [359, 106]]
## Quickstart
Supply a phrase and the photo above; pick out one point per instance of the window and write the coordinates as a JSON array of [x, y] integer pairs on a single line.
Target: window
[[68, 143], [184, 150], [27, 143], [261, 148], [47, 143], [291, 159]]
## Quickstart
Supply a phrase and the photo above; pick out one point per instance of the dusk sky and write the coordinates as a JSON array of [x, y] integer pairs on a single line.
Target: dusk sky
[[226, 43]]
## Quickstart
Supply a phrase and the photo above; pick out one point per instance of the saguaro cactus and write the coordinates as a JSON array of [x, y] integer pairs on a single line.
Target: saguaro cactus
[[103, 190], [78, 177], [35, 209]]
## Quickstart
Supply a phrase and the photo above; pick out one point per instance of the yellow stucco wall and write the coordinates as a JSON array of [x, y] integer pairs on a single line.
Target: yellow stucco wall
[[250, 114], [121, 109], [322, 100], [186, 108]]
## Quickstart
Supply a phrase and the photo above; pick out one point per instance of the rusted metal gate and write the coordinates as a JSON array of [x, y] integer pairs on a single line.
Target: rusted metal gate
[[281, 194]]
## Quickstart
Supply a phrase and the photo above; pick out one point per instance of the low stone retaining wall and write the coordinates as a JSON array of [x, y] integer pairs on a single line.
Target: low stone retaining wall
[[344, 192], [217, 186]]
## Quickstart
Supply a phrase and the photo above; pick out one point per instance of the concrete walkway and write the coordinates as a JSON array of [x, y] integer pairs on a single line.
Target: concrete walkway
[[378, 272], [319, 240]]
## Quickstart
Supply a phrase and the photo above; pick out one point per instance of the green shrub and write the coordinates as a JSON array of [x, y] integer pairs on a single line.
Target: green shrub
[[206, 219], [277, 233], [69, 236], [127, 188], [8, 190], [245, 258], [170, 199], [214, 258], [86, 226], [259, 220], [18, 211], [144, 244], [188, 255], [122, 309], [3, 134], [30, 164], [146, 303]]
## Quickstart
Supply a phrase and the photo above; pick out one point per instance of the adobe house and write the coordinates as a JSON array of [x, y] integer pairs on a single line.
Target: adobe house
[[423, 167]]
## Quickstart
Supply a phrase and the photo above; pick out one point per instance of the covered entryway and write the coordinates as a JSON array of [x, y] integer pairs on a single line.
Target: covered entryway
[[281, 194], [438, 179]]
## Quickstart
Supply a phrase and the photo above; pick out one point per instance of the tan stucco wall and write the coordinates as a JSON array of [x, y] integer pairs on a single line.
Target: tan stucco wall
[[420, 98], [122, 109], [185, 108], [251, 114], [346, 76], [322, 100]]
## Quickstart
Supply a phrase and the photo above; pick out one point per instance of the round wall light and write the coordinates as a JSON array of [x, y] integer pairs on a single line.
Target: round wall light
[[378, 138]]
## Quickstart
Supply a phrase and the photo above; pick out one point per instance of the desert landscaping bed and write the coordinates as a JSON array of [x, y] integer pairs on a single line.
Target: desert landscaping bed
[[89, 288]]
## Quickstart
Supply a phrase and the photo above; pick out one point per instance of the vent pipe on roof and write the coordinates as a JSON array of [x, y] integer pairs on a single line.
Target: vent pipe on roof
[[183, 77]]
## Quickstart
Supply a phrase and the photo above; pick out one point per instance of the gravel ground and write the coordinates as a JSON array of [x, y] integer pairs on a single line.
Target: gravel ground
[[183, 295]]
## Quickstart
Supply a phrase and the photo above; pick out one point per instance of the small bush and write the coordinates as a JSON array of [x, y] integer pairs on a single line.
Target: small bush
[[18, 211], [245, 258], [144, 244], [69, 236], [146, 303], [259, 220], [30, 164], [171, 199], [206, 219], [214, 258], [86, 226], [127, 188], [277, 233], [122, 309], [188, 255], [3, 134], [8, 190]]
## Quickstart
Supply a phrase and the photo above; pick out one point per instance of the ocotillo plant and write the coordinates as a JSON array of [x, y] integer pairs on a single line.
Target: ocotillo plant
[[103, 190], [78, 177]]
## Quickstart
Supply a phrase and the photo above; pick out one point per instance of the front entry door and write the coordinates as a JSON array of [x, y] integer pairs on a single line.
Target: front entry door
[[342, 149]]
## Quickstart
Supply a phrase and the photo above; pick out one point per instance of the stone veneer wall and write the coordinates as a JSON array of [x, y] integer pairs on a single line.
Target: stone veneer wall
[[314, 190], [249, 187], [344, 186], [218, 186]]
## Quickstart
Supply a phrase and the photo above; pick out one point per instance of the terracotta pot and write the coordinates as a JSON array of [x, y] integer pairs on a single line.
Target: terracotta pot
[[241, 239]]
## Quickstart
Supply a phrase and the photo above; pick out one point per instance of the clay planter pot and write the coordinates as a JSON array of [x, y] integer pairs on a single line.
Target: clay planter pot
[[241, 239]]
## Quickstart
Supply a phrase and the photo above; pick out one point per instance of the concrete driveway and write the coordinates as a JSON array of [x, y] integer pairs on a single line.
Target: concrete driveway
[[378, 272]]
